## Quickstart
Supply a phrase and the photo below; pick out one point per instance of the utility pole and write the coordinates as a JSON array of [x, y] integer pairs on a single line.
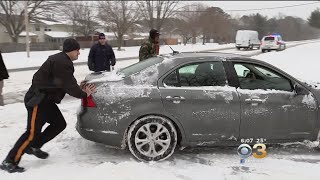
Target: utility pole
[[26, 18]]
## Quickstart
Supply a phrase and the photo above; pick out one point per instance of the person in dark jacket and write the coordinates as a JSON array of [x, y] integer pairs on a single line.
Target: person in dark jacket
[[101, 56], [49, 85], [3, 75], [150, 47]]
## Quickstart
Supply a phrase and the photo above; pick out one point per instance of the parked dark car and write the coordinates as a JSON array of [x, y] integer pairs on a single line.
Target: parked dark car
[[197, 99]]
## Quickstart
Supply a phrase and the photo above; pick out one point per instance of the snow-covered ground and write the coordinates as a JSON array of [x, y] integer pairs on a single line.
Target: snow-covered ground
[[301, 62], [71, 156], [20, 60]]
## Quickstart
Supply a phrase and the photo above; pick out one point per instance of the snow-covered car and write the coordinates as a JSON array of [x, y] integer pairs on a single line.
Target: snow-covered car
[[272, 42], [197, 99]]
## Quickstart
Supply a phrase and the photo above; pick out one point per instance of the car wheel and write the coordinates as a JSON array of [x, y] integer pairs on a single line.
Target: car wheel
[[280, 48], [263, 50], [238, 48], [152, 138]]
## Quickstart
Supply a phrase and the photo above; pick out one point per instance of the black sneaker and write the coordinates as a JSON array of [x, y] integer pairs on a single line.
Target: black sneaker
[[37, 152], [11, 167]]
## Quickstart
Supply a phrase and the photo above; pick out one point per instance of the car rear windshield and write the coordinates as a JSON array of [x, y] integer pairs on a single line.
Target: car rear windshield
[[137, 67], [270, 38]]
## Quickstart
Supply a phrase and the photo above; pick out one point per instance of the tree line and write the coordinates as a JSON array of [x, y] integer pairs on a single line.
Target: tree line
[[189, 21]]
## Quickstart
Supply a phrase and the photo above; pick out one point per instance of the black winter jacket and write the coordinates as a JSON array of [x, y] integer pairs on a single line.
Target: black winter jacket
[[54, 79], [101, 57], [3, 70]]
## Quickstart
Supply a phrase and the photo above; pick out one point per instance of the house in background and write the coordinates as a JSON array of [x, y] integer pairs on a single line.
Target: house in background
[[5, 38], [44, 29], [50, 30], [32, 37]]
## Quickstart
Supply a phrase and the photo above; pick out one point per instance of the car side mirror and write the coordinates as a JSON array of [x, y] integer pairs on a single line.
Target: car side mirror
[[300, 90]]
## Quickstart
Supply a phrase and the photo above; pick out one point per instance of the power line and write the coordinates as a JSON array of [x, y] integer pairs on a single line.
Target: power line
[[280, 7], [235, 10]]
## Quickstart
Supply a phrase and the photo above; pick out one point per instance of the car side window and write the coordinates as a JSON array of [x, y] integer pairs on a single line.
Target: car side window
[[198, 74], [258, 77]]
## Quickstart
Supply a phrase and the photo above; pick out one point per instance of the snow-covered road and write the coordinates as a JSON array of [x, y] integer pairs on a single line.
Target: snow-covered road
[[71, 156]]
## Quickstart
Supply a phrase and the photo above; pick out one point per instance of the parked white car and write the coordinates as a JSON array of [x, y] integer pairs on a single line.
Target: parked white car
[[247, 39], [272, 42]]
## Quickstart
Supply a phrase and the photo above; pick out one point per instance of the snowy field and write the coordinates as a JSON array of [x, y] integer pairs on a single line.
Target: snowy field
[[71, 156]]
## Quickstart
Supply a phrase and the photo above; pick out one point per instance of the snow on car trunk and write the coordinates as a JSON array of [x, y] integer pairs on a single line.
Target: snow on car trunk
[[104, 77]]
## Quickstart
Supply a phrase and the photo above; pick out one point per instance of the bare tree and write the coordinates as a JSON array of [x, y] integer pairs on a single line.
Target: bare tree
[[215, 24], [82, 17], [120, 16], [156, 12], [12, 14], [255, 22], [189, 25]]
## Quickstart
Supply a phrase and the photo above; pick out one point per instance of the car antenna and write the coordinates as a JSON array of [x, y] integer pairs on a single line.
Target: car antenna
[[173, 51]]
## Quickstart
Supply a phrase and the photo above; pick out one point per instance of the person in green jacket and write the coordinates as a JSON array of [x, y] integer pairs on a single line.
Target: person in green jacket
[[149, 47]]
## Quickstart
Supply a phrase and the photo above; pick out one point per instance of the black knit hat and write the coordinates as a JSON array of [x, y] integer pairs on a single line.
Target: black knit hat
[[101, 36], [153, 33], [70, 45]]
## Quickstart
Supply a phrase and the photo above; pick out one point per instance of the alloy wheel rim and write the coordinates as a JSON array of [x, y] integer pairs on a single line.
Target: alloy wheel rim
[[152, 139]]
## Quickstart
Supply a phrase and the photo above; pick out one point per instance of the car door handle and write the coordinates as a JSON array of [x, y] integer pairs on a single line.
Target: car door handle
[[176, 99], [254, 100]]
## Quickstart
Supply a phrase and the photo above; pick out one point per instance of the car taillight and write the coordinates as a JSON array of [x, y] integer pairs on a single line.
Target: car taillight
[[88, 102], [278, 43]]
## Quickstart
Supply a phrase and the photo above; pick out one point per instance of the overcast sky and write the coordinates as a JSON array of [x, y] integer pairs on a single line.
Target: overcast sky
[[302, 11]]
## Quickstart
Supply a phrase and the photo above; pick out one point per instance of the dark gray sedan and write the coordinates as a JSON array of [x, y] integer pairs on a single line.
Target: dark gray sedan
[[197, 99]]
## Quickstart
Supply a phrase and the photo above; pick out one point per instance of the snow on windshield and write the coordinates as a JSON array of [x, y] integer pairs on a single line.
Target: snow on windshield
[[147, 76]]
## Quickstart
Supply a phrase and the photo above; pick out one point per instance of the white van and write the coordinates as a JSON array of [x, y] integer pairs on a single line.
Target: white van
[[247, 39]]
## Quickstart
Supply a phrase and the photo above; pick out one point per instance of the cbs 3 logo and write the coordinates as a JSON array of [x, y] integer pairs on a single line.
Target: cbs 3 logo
[[257, 151]]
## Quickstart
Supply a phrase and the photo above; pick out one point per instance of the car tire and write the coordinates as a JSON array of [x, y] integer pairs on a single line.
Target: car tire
[[146, 144], [238, 48], [263, 50]]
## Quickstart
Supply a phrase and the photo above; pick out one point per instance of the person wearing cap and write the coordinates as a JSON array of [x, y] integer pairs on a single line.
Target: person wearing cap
[[3, 75], [101, 56], [49, 85], [149, 47]]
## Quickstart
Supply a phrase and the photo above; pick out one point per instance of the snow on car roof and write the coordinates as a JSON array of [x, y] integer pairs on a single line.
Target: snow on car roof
[[208, 54]]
